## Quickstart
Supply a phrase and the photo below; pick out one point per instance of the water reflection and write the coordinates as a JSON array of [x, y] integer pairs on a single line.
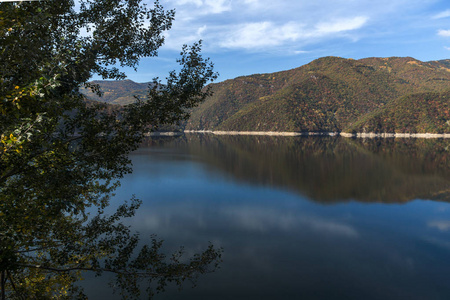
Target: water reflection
[[331, 169], [261, 198]]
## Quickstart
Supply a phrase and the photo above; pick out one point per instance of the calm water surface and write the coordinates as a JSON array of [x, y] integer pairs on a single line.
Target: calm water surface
[[300, 218]]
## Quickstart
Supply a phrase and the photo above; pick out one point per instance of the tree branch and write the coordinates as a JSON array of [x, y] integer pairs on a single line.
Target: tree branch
[[13, 285], [121, 272]]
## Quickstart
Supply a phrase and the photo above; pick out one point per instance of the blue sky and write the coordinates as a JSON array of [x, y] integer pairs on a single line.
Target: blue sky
[[244, 37]]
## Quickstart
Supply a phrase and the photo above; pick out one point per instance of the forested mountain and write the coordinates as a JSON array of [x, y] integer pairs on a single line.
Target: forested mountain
[[118, 92], [334, 94], [396, 94], [422, 112]]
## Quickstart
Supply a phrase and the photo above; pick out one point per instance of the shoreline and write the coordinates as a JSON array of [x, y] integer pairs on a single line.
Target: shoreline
[[163, 133], [343, 134]]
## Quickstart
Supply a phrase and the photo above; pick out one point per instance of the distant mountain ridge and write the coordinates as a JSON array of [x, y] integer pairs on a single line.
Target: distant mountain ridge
[[120, 92], [330, 94], [333, 94]]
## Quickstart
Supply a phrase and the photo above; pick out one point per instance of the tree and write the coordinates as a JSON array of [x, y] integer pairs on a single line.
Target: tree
[[60, 155]]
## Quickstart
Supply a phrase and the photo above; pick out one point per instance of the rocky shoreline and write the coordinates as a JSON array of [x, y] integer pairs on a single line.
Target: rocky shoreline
[[343, 134]]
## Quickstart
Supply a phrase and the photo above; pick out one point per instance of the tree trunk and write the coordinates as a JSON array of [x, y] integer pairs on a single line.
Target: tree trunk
[[3, 281]]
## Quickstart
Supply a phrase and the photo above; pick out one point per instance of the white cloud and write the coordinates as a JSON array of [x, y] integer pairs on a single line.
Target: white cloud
[[300, 52], [185, 2], [444, 33], [204, 6], [175, 39], [201, 30], [341, 25], [260, 34], [218, 6], [447, 48], [269, 34], [444, 14], [287, 26]]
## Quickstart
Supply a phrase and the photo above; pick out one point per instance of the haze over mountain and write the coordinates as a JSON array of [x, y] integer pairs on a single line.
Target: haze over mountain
[[330, 94]]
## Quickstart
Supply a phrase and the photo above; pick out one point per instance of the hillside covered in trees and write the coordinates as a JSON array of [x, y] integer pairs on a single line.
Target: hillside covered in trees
[[330, 94], [422, 112], [334, 94], [117, 92]]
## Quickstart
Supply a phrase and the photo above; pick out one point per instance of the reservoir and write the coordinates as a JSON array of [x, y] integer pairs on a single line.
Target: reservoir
[[298, 217]]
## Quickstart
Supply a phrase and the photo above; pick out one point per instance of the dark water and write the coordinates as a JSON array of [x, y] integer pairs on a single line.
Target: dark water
[[300, 218]]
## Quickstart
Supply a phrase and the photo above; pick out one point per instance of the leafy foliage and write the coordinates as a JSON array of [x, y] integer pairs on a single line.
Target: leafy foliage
[[60, 155]]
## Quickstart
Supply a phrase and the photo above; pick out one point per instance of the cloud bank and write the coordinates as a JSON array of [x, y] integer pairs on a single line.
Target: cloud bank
[[262, 36], [258, 35], [261, 25], [265, 25]]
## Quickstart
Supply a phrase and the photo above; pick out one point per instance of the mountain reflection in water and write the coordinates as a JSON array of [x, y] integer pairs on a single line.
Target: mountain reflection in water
[[262, 199], [331, 169]]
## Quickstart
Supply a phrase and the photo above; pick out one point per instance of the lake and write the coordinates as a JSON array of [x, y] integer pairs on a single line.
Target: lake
[[299, 217]]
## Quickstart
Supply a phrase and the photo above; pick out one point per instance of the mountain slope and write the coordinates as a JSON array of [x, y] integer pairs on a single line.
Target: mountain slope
[[117, 92], [421, 112], [328, 94]]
